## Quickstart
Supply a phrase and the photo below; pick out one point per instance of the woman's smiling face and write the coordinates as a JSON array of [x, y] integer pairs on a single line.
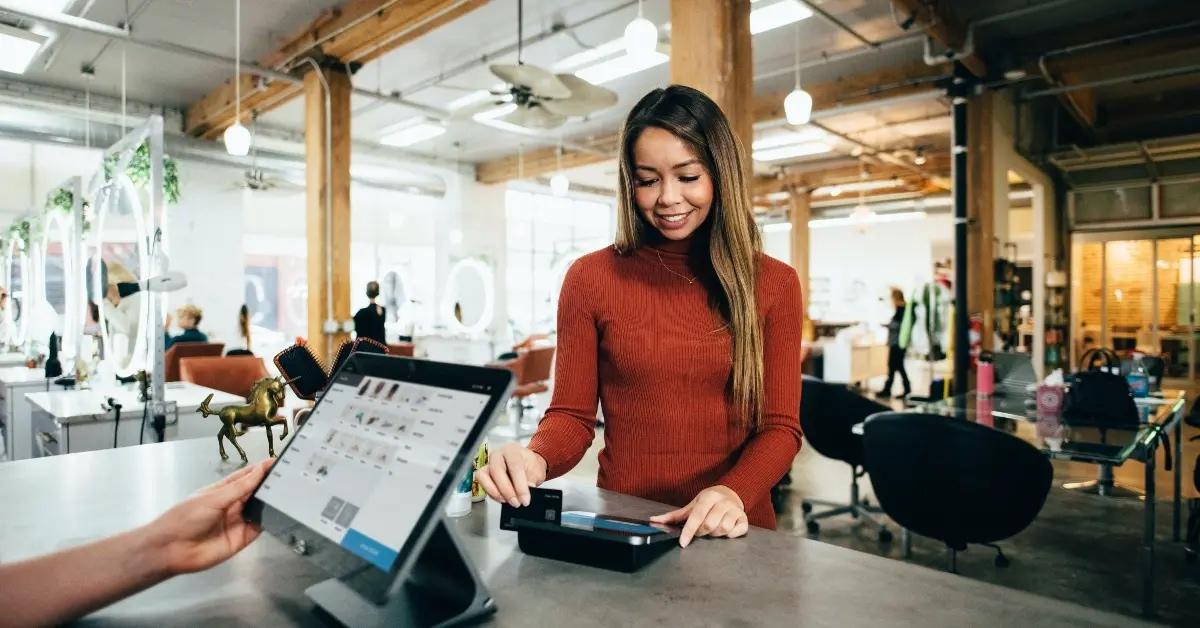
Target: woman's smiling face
[[672, 189]]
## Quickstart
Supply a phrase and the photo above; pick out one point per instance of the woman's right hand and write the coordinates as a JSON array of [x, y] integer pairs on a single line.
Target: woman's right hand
[[511, 470]]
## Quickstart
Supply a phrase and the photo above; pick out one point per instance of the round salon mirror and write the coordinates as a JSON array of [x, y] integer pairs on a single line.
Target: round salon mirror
[[469, 301], [117, 258], [16, 271], [393, 295]]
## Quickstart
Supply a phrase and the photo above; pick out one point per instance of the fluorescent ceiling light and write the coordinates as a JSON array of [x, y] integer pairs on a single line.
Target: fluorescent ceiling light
[[775, 140], [18, 48], [591, 55], [44, 6], [491, 118], [411, 131], [821, 223], [623, 65], [776, 14], [792, 151], [858, 186]]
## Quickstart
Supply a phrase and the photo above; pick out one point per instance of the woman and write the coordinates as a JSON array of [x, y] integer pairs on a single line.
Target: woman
[[369, 321], [683, 329], [896, 348]]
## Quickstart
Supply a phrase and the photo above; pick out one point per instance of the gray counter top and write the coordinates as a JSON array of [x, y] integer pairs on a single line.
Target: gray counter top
[[767, 578]]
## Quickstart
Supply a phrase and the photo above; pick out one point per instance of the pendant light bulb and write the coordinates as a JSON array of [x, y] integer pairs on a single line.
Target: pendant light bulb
[[798, 107], [237, 140], [641, 36], [559, 184]]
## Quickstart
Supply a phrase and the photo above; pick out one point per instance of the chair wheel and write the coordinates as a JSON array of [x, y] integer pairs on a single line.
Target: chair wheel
[[885, 535], [865, 501], [813, 527], [1002, 561], [805, 507]]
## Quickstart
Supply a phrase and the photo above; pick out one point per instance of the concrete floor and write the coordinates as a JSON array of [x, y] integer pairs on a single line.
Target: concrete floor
[[1081, 548]]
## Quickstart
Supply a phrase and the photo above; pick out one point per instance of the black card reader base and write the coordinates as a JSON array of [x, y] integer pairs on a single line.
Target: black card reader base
[[442, 589], [545, 542]]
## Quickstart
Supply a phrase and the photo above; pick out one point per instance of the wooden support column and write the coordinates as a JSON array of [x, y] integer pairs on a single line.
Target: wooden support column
[[799, 215], [710, 51], [328, 236], [981, 211]]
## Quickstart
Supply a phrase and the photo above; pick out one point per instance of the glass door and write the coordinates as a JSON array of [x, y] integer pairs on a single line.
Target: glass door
[[1138, 294]]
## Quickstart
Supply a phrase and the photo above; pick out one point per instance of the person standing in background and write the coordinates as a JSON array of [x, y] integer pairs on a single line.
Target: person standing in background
[[896, 349], [242, 346], [369, 321]]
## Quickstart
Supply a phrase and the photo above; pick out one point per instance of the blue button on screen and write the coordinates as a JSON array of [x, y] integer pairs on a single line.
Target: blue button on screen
[[369, 549]]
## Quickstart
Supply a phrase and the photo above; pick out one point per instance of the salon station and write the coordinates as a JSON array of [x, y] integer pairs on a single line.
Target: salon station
[[252, 222]]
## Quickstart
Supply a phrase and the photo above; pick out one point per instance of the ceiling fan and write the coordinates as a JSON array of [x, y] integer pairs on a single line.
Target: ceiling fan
[[543, 99], [255, 179]]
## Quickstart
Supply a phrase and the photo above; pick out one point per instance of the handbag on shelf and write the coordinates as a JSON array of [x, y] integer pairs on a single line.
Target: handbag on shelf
[[1099, 396]]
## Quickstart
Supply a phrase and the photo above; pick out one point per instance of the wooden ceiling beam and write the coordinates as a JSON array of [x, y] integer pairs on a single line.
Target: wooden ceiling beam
[[936, 165], [849, 90], [937, 18], [355, 32]]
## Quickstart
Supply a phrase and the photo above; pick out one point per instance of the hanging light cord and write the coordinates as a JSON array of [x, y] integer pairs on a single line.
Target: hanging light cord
[[237, 64], [796, 49]]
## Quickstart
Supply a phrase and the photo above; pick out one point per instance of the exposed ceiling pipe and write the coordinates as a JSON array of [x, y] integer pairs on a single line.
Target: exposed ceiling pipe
[[845, 54], [191, 149], [61, 41], [832, 19], [1116, 80], [114, 33]]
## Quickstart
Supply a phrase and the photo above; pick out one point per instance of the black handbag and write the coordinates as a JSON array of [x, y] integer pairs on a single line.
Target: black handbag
[[1098, 395]]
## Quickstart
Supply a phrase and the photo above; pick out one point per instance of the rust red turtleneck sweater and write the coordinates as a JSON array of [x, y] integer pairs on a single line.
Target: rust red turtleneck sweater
[[634, 334]]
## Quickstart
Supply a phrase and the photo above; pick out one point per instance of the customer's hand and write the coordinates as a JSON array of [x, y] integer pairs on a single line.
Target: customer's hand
[[207, 528], [715, 511], [511, 470]]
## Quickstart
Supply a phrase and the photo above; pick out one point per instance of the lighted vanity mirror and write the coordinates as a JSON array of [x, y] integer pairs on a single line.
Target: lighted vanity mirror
[[16, 272], [470, 297], [117, 254]]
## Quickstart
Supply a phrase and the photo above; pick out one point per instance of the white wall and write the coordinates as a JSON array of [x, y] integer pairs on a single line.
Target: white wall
[[861, 263]]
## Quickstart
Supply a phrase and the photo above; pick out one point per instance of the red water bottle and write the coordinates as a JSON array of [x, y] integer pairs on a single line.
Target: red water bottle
[[985, 376]]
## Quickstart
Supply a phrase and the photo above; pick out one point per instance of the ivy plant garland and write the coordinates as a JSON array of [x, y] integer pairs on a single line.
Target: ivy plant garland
[[138, 171], [63, 200], [19, 232]]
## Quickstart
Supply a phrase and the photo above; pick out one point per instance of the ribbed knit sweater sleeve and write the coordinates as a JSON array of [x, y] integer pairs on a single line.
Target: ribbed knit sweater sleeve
[[769, 452], [569, 424]]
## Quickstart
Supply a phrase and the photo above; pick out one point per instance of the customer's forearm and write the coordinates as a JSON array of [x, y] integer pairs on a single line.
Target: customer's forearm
[[66, 585]]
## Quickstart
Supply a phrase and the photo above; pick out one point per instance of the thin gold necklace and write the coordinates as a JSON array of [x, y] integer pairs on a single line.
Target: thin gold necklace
[[690, 280]]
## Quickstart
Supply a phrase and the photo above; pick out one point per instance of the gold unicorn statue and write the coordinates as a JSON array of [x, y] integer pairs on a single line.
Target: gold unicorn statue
[[265, 398]]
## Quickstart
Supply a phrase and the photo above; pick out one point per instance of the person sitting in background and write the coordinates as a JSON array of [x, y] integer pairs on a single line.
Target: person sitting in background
[[198, 533], [368, 322], [189, 319]]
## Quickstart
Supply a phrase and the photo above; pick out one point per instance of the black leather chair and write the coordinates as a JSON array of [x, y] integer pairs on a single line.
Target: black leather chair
[[828, 413], [954, 481]]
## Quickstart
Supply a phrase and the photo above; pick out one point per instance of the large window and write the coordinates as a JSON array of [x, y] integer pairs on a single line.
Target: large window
[[545, 234]]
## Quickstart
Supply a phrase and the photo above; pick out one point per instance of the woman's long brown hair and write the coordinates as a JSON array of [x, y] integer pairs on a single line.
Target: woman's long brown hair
[[734, 243]]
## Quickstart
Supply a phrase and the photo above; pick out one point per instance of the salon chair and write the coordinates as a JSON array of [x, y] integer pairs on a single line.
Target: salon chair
[[232, 374], [181, 350]]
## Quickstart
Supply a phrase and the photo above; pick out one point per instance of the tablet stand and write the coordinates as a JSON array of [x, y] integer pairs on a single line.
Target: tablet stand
[[442, 589]]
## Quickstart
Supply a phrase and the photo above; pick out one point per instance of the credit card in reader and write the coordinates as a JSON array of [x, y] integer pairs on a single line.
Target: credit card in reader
[[599, 540]]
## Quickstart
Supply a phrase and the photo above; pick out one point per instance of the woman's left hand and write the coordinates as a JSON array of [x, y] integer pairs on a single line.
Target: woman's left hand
[[715, 511]]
